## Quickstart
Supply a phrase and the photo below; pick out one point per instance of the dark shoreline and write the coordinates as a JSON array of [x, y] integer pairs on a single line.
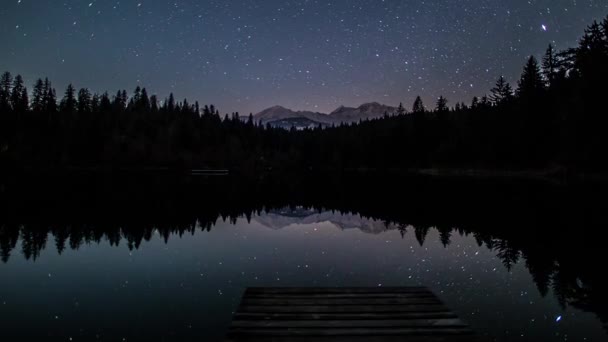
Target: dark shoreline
[[555, 175]]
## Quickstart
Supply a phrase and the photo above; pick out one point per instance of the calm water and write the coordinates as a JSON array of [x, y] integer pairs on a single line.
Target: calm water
[[176, 281]]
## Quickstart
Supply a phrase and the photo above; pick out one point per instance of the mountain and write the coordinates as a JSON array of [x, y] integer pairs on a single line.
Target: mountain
[[282, 218], [297, 123], [366, 111], [279, 116], [280, 113]]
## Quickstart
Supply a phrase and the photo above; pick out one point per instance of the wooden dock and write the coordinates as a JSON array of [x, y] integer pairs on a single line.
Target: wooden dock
[[410, 314]]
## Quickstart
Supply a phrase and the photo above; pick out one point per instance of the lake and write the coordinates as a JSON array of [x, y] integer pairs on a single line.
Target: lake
[[136, 261]]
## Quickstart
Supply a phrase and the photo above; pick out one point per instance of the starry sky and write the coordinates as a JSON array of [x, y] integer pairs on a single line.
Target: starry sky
[[247, 55]]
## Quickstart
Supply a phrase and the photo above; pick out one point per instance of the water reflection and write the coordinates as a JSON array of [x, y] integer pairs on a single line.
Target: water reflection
[[189, 258]]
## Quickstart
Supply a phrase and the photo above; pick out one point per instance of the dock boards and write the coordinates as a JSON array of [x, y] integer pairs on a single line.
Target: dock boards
[[345, 314]]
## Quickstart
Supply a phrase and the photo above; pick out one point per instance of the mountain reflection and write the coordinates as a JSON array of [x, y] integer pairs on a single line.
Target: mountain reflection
[[555, 243]]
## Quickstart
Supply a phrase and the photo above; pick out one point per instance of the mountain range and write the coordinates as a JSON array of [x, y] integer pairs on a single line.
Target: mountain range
[[283, 218], [278, 116]]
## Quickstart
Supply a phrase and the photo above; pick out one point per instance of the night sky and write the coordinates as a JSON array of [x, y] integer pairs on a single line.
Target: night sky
[[304, 54]]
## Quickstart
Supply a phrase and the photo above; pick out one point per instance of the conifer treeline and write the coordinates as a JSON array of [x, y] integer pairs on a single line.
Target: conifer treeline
[[555, 116]]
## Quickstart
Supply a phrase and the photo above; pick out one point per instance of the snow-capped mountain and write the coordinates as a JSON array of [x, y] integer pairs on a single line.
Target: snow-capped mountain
[[281, 113], [284, 117], [366, 111], [282, 218]]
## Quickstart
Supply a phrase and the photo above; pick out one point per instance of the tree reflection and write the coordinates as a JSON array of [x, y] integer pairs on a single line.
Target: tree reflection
[[560, 262]]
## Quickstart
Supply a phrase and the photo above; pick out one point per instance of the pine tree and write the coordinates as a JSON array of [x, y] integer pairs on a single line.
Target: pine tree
[[605, 28], [185, 106], [592, 54], [442, 104], [18, 101], [531, 83], [418, 106], [144, 102], [46, 89], [124, 98], [171, 103], [117, 103], [400, 109], [105, 105], [502, 92], [120, 101], [135, 102], [50, 99], [154, 103], [6, 82], [38, 97], [475, 102], [84, 101], [68, 103], [550, 65], [485, 102], [95, 102], [24, 102]]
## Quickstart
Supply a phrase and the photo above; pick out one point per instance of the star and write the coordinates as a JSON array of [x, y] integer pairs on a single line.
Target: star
[[365, 49]]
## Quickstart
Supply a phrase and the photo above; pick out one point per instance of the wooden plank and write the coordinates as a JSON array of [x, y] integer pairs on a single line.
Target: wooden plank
[[339, 290], [350, 331], [349, 308], [388, 323], [247, 301], [354, 314], [341, 316]]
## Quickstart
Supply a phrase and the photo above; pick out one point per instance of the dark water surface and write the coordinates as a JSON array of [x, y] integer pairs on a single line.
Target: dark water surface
[[128, 263]]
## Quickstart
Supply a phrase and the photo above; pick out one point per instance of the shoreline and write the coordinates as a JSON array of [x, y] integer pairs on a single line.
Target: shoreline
[[557, 175]]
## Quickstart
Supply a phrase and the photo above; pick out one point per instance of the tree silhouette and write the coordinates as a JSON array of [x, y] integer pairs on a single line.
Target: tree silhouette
[[550, 65], [154, 104], [421, 232], [38, 97], [502, 92], [84, 101], [6, 81], [592, 51], [442, 104], [69, 103], [400, 109], [144, 104], [475, 102], [445, 235], [531, 83], [418, 106], [171, 103], [19, 98], [50, 98]]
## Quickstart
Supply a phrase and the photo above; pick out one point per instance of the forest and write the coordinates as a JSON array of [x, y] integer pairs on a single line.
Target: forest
[[554, 117]]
